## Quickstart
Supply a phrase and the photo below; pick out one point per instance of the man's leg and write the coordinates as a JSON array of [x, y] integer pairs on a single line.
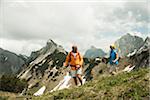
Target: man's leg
[[75, 80], [109, 68], [79, 73], [73, 74], [114, 69], [80, 78]]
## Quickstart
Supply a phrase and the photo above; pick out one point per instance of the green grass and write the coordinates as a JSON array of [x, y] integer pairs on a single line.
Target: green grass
[[124, 86], [3, 98]]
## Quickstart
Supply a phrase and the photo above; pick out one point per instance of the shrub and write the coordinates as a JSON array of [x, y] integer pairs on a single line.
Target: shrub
[[12, 84]]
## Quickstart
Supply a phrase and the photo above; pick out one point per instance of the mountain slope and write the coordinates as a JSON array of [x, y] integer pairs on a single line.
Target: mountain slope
[[94, 52], [141, 56], [126, 86], [128, 43], [44, 67], [10, 63]]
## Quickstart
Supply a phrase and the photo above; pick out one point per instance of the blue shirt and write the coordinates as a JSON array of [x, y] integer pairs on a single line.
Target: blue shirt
[[113, 57]]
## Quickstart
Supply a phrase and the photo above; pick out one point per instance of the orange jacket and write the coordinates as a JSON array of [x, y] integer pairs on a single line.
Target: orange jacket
[[73, 61]]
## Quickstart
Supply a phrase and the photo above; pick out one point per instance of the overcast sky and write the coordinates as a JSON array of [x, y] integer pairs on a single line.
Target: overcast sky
[[26, 25]]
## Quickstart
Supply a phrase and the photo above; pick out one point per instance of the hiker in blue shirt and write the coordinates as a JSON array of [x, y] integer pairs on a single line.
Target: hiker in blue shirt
[[113, 59]]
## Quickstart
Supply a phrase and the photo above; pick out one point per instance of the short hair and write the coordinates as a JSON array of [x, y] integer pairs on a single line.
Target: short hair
[[74, 47]]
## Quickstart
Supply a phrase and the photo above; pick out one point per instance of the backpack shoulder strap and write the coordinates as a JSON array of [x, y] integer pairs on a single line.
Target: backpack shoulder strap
[[115, 51], [70, 56], [79, 55]]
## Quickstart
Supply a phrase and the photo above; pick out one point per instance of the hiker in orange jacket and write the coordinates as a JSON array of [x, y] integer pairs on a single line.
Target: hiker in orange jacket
[[75, 61]]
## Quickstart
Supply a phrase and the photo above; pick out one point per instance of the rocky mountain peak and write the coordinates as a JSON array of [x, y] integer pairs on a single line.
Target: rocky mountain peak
[[128, 43], [43, 64], [94, 52], [140, 58], [147, 41], [50, 42]]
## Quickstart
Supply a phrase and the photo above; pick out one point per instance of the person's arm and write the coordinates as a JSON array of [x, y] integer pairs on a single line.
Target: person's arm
[[67, 60], [117, 57], [81, 62]]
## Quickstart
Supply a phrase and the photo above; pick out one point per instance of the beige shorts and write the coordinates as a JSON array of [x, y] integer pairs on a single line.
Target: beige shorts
[[112, 67], [74, 73]]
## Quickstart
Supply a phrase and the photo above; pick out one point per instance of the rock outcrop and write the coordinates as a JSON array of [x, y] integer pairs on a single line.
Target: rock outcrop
[[141, 57], [128, 43]]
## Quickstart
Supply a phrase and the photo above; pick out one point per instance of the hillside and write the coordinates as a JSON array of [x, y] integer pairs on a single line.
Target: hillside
[[10, 63], [134, 86], [44, 67], [126, 86], [47, 67]]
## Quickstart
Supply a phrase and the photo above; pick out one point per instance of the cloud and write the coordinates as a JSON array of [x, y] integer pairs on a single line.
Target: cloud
[[128, 17], [74, 22], [45, 20], [22, 47]]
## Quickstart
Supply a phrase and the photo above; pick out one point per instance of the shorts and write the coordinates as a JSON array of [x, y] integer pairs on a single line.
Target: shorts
[[112, 67], [74, 73]]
